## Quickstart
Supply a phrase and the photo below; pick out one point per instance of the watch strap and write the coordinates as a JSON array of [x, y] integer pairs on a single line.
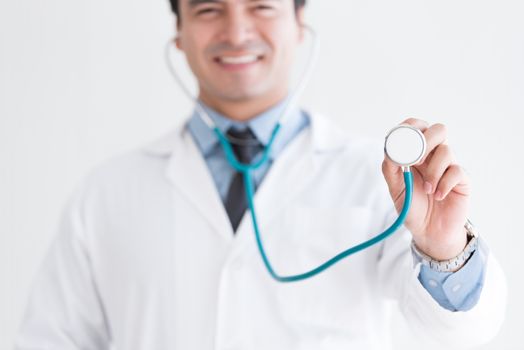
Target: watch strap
[[454, 263]]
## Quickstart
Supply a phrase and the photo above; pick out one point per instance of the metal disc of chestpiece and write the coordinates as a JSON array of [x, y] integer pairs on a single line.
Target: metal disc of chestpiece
[[405, 145]]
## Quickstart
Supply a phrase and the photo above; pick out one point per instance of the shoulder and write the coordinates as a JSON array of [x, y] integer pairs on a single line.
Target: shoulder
[[143, 165]]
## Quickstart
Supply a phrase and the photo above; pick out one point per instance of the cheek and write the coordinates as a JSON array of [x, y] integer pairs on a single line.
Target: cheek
[[284, 38], [285, 49], [194, 49]]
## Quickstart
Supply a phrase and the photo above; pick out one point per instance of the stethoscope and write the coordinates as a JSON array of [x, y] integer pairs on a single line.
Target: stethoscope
[[404, 145]]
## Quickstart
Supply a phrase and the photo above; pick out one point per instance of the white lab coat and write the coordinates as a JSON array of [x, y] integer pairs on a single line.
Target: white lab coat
[[145, 258]]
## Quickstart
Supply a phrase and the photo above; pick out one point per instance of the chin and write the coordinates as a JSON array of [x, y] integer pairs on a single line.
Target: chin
[[242, 94]]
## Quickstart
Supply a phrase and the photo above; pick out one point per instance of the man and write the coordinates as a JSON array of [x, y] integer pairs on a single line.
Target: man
[[156, 251]]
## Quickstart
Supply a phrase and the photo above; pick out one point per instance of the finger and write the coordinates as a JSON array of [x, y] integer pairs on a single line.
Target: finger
[[435, 167], [435, 135], [453, 179], [420, 124], [391, 172]]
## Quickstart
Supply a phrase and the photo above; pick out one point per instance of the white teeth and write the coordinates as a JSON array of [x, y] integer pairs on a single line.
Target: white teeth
[[238, 59]]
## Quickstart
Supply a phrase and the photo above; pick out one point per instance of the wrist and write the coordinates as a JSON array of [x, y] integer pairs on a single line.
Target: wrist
[[455, 263], [443, 250]]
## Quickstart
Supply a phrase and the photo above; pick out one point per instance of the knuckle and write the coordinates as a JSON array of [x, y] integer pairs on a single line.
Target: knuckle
[[444, 182], [443, 149], [451, 174], [432, 179], [446, 151], [416, 121], [442, 157], [442, 127], [410, 121], [459, 170], [384, 165], [455, 168]]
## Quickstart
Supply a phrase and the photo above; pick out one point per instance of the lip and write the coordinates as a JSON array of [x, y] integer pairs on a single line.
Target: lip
[[236, 62]]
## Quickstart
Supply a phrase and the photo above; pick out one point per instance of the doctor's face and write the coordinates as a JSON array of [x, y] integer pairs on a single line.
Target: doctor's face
[[239, 49]]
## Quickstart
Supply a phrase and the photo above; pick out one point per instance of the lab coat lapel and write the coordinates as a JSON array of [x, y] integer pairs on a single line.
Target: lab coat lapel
[[188, 172], [288, 175], [294, 170]]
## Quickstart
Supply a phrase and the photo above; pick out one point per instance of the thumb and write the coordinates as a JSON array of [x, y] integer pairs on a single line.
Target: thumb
[[393, 176]]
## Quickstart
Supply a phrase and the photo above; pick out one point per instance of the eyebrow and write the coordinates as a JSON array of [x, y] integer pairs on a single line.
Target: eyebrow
[[193, 3]]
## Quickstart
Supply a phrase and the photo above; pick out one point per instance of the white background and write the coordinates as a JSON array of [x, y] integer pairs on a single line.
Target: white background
[[83, 80]]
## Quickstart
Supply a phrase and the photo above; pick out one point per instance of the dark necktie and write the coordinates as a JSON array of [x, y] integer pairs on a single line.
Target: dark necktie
[[246, 147]]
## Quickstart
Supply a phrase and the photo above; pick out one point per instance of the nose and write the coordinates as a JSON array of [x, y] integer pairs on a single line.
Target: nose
[[238, 26]]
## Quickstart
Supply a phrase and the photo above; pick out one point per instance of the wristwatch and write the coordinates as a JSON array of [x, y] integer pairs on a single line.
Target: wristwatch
[[454, 263]]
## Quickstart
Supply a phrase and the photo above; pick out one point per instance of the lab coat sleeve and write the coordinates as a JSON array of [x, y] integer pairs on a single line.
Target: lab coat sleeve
[[64, 310], [398, 276]]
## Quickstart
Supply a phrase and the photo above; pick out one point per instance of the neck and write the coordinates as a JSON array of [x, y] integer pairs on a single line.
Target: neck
[[243, 109]]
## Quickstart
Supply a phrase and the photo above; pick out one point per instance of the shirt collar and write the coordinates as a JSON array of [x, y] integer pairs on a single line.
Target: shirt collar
[[325, 136], [262, 126]]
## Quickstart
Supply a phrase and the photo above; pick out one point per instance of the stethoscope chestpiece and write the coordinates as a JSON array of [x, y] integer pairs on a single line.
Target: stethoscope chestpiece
[[405, 145]]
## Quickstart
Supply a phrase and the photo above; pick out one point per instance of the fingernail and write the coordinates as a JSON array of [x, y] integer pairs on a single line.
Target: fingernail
[[438, 195], [427, 187]]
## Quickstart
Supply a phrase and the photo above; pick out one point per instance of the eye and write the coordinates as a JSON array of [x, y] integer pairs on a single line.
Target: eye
[[264, 8], [207, 11]]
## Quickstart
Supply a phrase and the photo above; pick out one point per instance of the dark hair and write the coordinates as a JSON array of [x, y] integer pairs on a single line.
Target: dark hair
[[174, 5]]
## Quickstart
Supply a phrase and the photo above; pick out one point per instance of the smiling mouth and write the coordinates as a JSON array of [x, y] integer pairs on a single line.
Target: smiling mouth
[[238, 60]]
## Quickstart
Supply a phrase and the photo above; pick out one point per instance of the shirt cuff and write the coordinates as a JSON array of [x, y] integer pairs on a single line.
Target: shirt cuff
[[460, 290]]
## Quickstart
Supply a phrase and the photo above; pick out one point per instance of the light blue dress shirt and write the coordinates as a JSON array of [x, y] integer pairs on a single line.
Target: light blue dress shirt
[[458, 291], [261, 125]]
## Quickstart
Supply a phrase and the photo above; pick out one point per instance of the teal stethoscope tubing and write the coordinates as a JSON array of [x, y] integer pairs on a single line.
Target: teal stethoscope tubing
[[246, 169]]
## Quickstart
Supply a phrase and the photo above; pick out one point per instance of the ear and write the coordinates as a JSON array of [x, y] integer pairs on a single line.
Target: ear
[[178, 42], [300, 22]]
